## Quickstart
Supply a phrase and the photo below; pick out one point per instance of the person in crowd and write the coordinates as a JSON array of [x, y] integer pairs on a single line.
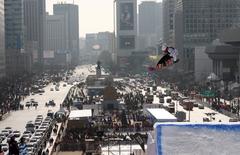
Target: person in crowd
[[1, 151], [40, 151], [22, 147], [13, 146], [47, 152]]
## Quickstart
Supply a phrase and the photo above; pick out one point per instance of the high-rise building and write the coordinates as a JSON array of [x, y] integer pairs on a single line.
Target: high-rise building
[[199, 22], [126, 29], [2, 40], [70, 13], [95, 43], [102, 41], [14, 37], [105, 40], [168, 10], [91, 40], [150, 24], [159, 21], [34, 23], [56, 33]]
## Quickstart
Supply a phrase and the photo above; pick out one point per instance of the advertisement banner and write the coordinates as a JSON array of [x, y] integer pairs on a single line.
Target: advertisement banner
[[126, 16], [127, 42]]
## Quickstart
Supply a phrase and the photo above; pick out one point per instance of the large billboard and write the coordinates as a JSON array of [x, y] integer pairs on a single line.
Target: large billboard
[[123, 61], [126, 42], [126, 16]]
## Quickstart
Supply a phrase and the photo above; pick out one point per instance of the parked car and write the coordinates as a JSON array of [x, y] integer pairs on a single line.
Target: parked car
[[30, 126], [37, 123], [27, 132], [40, 116], [26, 137], [5, 132], [38, 120], [30, 147], [17, 133], [38, 135], [2, 137], [4, 147], [200, 106]]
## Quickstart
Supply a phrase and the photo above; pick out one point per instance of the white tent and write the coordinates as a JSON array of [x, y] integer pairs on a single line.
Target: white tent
[[161, 115], [80, 114]]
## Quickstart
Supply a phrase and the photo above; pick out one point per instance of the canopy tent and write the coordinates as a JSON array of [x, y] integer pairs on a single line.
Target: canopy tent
[[79, 114], [161, 115]]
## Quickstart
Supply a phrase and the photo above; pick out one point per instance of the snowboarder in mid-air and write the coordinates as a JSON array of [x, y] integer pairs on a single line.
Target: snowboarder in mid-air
[[169, 58]]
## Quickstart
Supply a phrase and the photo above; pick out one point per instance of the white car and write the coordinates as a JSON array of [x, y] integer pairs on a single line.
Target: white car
[[48, 119], [17, 133], [2, 137], [40, 131], [5, 132], [32, 144], [38, 135], [9, 129], [27, 132], [4, 147], [30, 147], [200, 106], [43, 127], [33, 140], [38, 123], [26, 137], [39, 117], [45, 124]]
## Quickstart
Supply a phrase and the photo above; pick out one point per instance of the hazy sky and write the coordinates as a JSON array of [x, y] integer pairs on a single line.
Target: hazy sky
[[94, 15]]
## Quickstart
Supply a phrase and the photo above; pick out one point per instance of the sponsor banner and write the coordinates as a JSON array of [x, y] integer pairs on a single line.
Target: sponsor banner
[[127, 42], [126, 16]]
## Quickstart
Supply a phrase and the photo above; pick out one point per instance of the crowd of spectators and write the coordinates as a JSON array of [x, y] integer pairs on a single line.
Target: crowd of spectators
[[12, 92]]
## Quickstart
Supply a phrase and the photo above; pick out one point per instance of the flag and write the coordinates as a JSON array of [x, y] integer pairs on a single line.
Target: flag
[[139, 139]]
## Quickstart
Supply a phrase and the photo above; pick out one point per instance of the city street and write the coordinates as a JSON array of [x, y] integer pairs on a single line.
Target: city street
[[196, 115], [18, 119]]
